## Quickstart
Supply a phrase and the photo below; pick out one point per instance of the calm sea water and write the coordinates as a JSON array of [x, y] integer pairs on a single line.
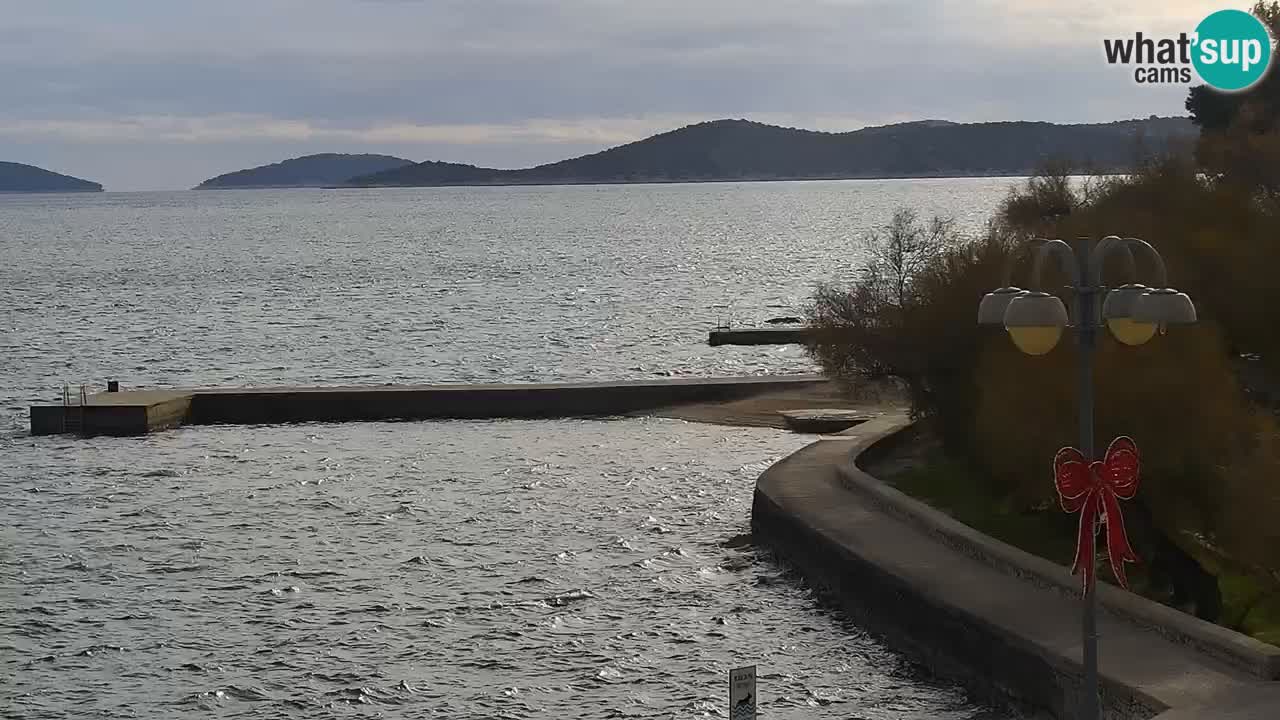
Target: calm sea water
[[541, 569]]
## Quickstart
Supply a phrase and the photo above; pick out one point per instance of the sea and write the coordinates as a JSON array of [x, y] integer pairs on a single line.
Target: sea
[[506, 569]]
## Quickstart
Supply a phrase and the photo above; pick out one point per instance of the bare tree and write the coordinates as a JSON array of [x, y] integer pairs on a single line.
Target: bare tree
[[898, 253]]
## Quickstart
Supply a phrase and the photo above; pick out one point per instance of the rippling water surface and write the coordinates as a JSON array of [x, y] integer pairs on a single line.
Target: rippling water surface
[[514, 569], [436, 285]]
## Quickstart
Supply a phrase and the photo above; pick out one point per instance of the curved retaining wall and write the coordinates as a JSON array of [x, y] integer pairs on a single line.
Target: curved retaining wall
[[999, 620], [1252, 656]]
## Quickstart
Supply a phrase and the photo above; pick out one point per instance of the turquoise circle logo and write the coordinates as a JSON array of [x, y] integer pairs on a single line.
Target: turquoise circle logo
[[1233, 50]]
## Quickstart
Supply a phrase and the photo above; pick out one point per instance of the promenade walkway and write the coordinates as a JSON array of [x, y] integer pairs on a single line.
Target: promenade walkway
[[1002, 634]]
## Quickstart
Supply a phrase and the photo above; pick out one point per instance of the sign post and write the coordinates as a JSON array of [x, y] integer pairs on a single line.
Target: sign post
[[742, 693]]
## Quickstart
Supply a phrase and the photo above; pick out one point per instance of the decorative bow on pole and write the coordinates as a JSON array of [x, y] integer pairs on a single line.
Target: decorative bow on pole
[[1095, 490]]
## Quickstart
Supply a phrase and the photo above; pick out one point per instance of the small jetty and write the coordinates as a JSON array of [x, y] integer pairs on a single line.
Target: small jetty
[[824, 420], [138, 412], [794, 335]]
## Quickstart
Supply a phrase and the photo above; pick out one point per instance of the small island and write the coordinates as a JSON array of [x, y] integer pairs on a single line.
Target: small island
[[320, 170], [742, 150], [20, 178]]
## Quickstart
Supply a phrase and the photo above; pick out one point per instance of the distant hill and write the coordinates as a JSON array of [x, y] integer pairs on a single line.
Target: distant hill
[[432, 173], [16, 177], [309, 171], [745, 150]]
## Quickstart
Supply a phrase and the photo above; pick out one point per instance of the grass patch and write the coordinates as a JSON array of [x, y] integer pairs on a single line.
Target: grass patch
[[956, 489], [1251, 604]]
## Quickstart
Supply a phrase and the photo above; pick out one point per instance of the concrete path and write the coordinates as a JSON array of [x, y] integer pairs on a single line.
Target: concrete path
[[764, 409], [972, 621]]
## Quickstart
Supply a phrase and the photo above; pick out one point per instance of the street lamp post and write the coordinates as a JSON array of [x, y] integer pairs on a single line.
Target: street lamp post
[[1035, 321]]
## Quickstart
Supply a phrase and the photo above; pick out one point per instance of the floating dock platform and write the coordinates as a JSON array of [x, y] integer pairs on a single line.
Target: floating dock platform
[[138, 412], [794, 335]]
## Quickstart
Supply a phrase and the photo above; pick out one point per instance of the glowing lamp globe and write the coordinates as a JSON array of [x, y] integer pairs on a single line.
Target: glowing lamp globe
[[1118, 309], [1165, 306], [991, 309], [1130, 331], [1035, 321]]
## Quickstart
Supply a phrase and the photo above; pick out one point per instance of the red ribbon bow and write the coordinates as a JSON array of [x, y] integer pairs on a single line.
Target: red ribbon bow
[[1095, 489]]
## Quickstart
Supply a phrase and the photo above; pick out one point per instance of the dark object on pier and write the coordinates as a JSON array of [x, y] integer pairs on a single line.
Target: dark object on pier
[[823, 420], [761, 336]]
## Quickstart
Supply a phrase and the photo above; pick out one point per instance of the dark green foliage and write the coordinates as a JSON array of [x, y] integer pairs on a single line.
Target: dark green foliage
[[428, 173], [1210, 109], [740, 149], [912, 319], [309, 171], [16, 177], [1215, 111], [1239, 146], [1243, 601], [1205, 518], [1211, 460]]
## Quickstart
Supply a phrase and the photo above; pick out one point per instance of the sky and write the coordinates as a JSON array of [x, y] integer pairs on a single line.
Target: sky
[[162, 94]]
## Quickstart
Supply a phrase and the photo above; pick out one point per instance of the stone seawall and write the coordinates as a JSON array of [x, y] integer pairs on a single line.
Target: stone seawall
[[1002, 622], [137, 412]]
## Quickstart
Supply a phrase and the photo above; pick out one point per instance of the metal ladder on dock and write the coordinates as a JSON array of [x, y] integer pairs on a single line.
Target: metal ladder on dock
[[73, 412]]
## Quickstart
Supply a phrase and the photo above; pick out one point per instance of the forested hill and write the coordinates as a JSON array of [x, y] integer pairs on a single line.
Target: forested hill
[[16, 177], [307, 171], [745, 150]]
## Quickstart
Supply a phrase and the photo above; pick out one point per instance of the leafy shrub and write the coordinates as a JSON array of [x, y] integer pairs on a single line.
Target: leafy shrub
[[1211, 490], [909, 316], [1207, 469]]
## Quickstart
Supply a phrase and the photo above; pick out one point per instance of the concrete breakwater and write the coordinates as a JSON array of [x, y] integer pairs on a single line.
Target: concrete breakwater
[[761, 336], [139, 412], [1001, 621]]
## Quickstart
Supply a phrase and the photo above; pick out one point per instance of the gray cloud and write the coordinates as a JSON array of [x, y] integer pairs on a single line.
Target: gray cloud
[[511, 81]]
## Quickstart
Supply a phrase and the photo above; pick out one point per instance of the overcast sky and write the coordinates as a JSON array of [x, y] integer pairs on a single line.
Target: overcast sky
[[160, 94]]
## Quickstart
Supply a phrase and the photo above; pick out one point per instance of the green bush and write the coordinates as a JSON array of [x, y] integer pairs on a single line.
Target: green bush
[[1206, 512], [1209, 463], [912, 319]]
